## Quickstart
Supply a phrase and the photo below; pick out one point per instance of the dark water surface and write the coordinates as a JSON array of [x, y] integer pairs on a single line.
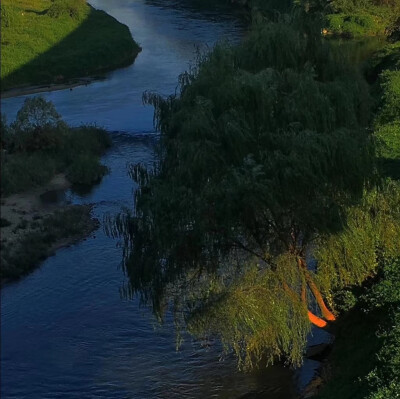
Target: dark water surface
[[65, 330]]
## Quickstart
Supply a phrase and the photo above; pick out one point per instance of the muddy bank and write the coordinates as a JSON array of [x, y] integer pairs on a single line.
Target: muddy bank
[[36, 223], [36, 89]]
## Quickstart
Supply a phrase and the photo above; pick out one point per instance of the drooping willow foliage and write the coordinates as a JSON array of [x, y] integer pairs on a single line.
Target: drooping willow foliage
[[253, 316], [371, 238], [261, 150]]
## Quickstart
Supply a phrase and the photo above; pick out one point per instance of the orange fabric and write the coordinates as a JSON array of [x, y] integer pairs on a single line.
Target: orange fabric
[[328, 315], [316, 320]]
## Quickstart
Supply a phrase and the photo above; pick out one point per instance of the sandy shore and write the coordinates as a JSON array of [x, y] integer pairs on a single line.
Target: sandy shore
[[24, 215], [25, 207]]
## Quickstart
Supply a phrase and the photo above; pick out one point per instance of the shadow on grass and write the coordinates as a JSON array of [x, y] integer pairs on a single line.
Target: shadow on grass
[[98, 45]]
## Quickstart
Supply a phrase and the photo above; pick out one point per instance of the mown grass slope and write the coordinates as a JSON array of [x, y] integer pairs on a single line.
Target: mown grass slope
[[45, 41]]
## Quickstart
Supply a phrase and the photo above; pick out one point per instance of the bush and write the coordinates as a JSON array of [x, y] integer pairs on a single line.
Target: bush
[[384, 380], [71, 8], [21, 172], [86, 170], [389, 136], [345, 300], [38, 126], [390, 110], [39, 144], [353, 25], [86, 139]]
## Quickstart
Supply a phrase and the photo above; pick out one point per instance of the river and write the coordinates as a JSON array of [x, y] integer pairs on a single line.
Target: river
[[66, 332]]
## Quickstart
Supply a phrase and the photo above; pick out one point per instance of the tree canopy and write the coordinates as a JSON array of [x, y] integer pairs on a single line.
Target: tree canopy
[[262, 149]]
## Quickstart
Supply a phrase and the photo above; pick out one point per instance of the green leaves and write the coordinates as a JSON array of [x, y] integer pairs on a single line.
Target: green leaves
[[259, 156], [37, 113], [371, 237]]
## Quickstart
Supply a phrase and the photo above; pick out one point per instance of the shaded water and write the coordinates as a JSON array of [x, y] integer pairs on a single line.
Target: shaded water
[[66, 332]]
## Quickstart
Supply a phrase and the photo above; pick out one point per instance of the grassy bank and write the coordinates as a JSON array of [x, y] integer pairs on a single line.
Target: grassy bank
[[46, 41]]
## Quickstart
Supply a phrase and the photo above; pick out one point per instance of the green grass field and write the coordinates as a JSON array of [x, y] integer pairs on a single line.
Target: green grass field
[[45, 41]]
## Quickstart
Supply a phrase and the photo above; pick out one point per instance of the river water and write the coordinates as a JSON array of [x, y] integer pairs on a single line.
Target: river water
[[65, 330]]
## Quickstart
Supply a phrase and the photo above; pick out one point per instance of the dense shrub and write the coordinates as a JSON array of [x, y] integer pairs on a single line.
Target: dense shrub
[[394, 31], [39, 144], [86, 170], [22, 171], [353, 25], [86, 139], [384, 380], [390, 110], [71, 8], [389, 136]]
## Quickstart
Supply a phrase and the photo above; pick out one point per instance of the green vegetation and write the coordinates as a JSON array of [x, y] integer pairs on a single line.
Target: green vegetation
[[366, 354], [46, 41], [19, 257], [39, 144], [261, 154], [271, 202], [387, 120], [345, 18], [355, 18]]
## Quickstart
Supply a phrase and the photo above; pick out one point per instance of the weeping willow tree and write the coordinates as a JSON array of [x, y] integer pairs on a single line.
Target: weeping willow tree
[[262, 148]]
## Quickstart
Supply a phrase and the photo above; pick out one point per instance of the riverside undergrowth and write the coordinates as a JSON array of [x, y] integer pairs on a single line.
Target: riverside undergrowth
[[39, 144]]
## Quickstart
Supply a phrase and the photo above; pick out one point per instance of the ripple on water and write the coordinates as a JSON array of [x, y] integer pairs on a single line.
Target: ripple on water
[[66, 332]]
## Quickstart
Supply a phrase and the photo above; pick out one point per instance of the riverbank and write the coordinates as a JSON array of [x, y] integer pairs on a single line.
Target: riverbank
[[367, 331], [34, 225], [367, 261], [51, 43], [42, 157], [71, 84], [365, 360]]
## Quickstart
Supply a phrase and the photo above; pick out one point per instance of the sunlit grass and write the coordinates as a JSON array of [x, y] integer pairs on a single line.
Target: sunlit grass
[[32, 33], [38, 48]]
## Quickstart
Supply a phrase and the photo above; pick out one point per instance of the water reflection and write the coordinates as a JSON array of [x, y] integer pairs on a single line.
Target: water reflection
[[65, 331], [170, 38]]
